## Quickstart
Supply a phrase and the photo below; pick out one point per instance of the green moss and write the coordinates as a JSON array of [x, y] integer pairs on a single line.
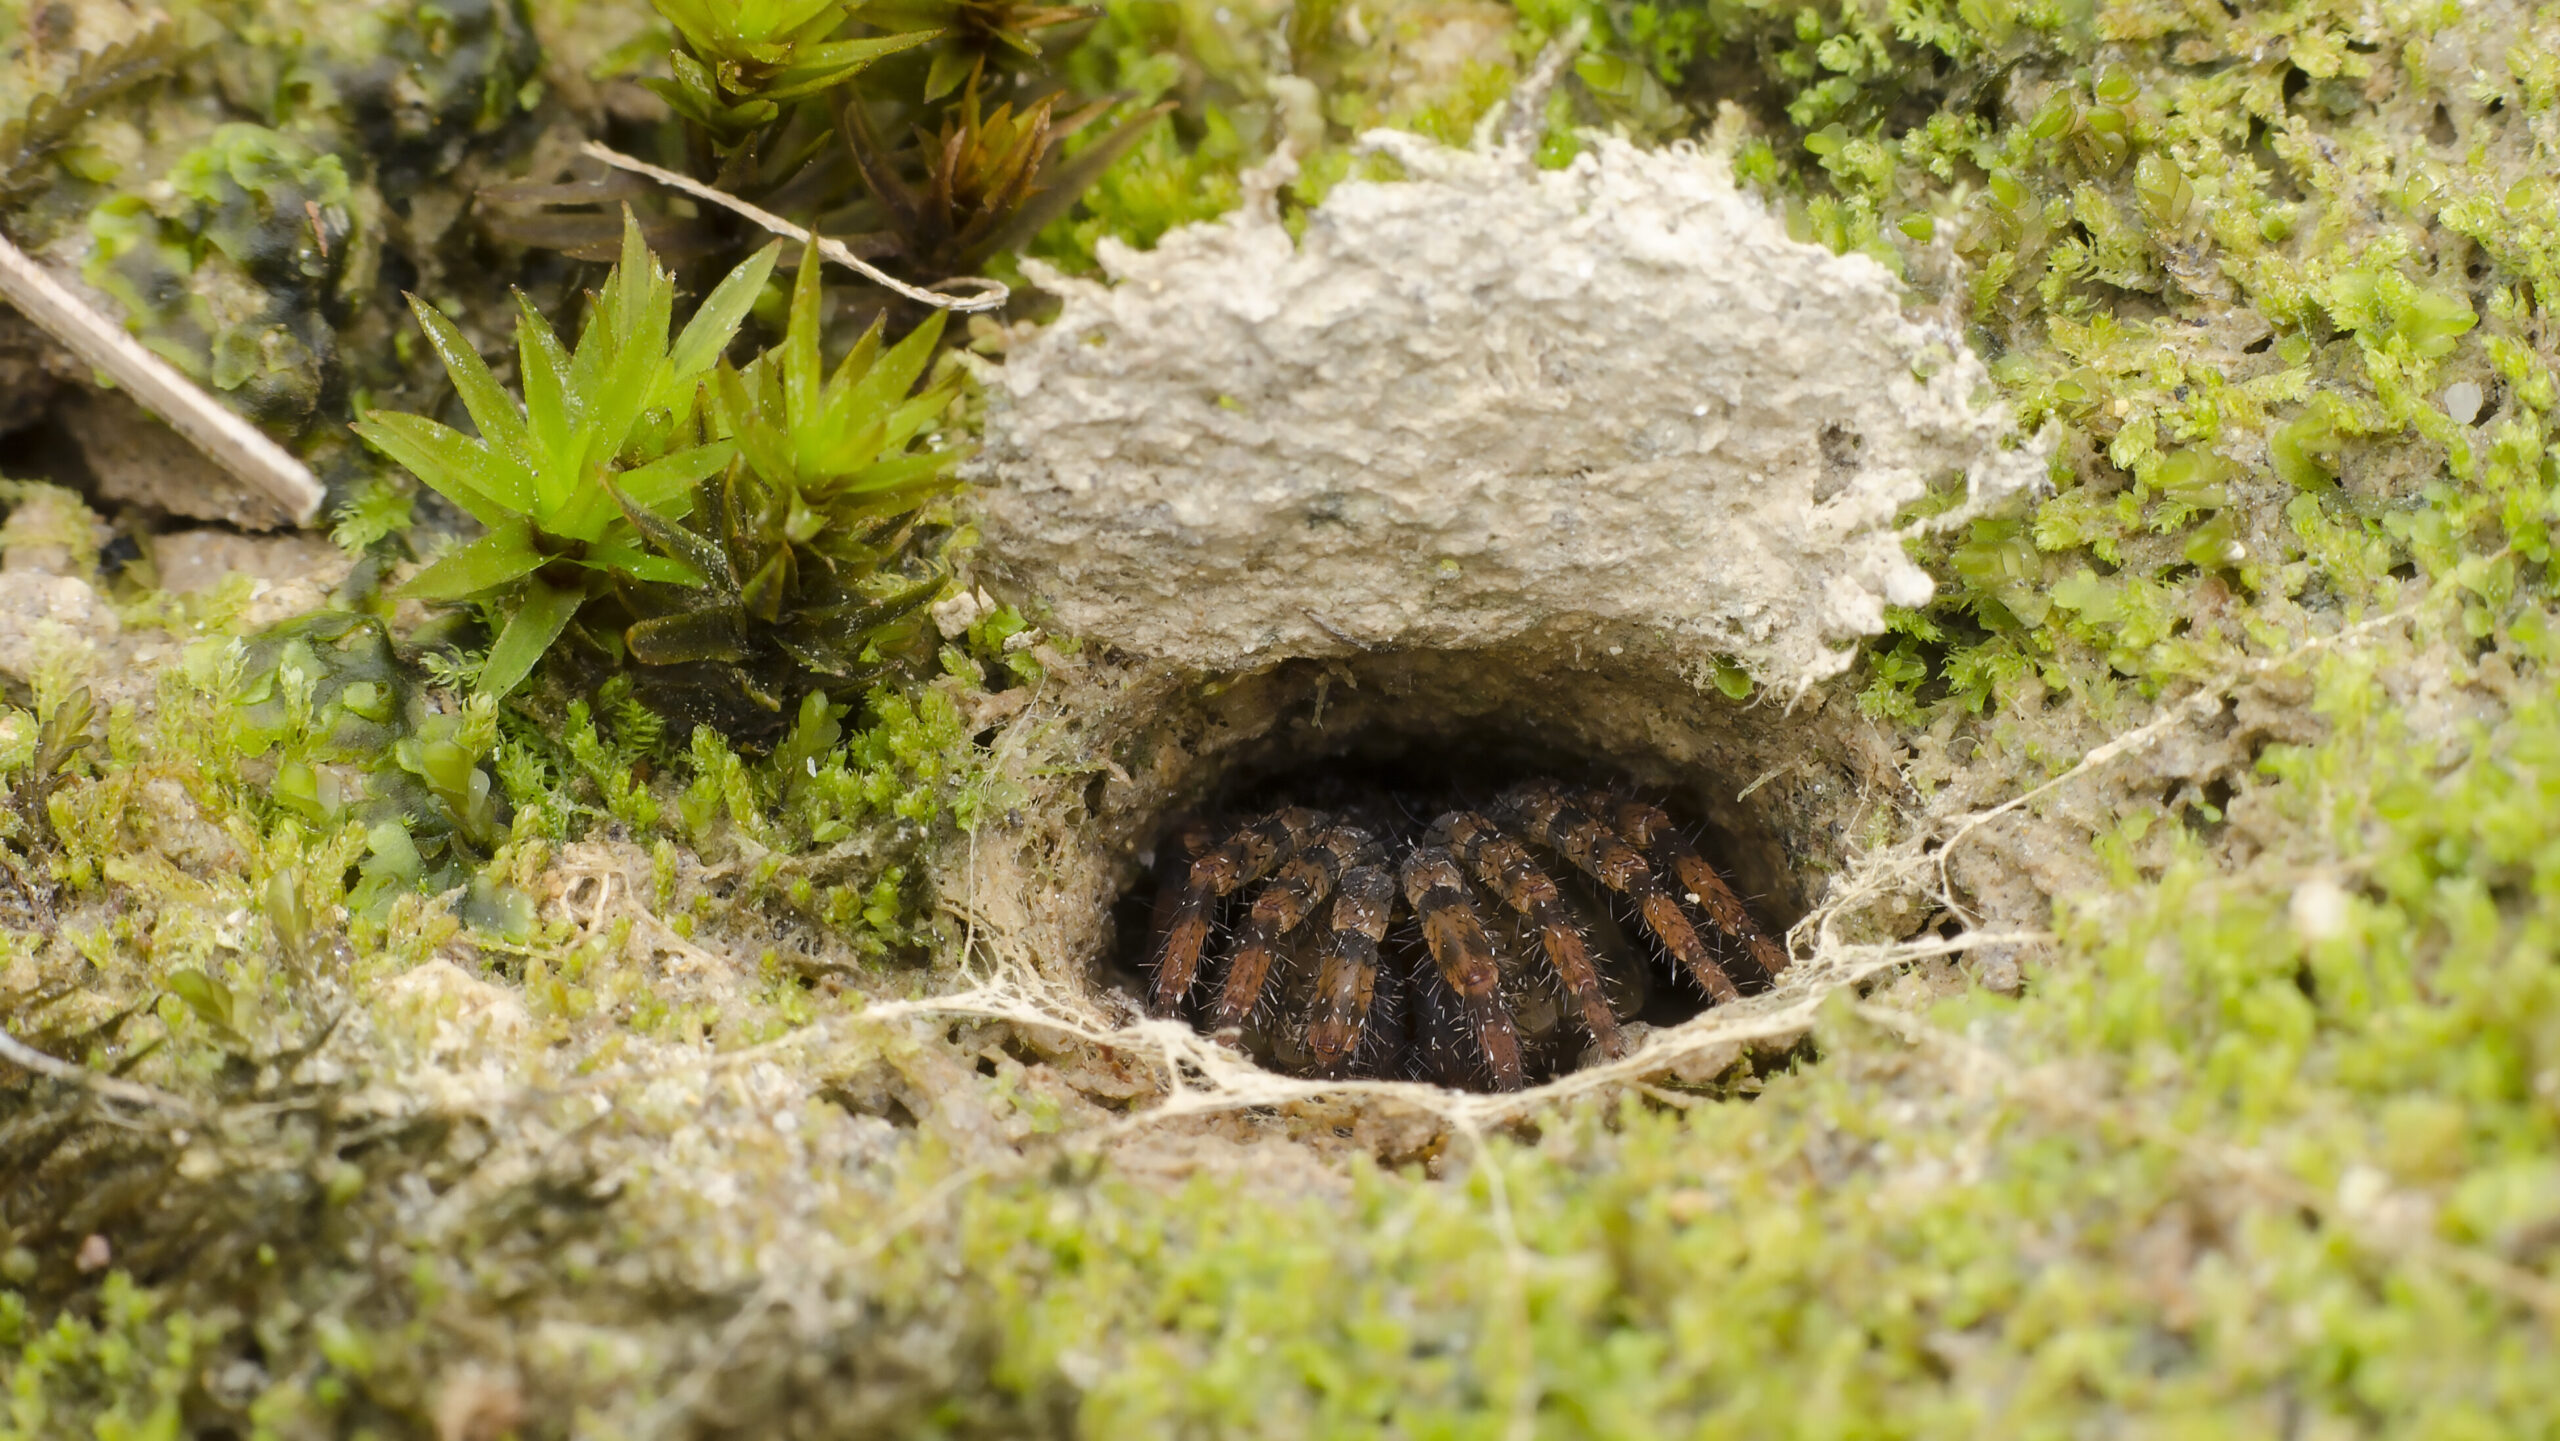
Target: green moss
[[2222, 1153], [1243, 76], [1161, 183], [233, 276], [409, 87], [125, 1376], [2111, 216], [237, 170], [2266, 1146]]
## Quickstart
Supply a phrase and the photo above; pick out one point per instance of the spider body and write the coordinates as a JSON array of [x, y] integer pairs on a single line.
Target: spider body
[[1488, 947]]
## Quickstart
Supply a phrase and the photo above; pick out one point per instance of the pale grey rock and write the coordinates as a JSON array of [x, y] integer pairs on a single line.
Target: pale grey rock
[[290, 574], [200, 560], [137, 460], [57, 621]]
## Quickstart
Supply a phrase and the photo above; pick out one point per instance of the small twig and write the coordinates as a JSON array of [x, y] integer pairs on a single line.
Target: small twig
[[225, 438], [18, 1053], [1765, 777], [1525, 112], [994, 294]]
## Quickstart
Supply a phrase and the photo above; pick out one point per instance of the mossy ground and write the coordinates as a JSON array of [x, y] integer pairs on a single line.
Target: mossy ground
[[634, 1128]]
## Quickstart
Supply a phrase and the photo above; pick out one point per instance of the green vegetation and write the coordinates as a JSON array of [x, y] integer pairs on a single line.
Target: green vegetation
[[599, 446], [739, 63], [2214, 283], [818, 512], [221, 170], [254, 210], [354, 746], [800, 560], [931, 128], [725, 531], [506, 1033]]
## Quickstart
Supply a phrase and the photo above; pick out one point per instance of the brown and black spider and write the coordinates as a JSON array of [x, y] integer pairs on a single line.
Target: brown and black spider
[[1489, 949]]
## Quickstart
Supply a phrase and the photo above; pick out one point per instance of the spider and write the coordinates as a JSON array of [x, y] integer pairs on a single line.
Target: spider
[[1494, 947]]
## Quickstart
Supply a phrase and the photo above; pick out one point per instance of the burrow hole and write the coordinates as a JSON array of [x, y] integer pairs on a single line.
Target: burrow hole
[[1414, 1018]]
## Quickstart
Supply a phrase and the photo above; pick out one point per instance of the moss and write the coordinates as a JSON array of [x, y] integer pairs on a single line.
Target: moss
[[243, 170], [2266, 1145], [233, 276], [2233, 1149], [411, 87], [2125, 230], [1242, 77], [124, 1376]]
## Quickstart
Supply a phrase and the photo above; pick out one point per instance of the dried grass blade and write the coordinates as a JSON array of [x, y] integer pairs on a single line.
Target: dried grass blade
[[994, 293]]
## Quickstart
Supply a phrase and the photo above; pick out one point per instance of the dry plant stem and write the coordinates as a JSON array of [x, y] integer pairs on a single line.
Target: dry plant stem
[[225, 438], [1523, 115], [18, 1053], [992, 296]]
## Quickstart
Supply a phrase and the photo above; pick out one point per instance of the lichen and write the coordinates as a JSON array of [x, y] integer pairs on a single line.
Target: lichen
[[233, 275]]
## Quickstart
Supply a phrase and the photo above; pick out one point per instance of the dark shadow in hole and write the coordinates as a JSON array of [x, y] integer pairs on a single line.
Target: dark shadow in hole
[[45, 450]]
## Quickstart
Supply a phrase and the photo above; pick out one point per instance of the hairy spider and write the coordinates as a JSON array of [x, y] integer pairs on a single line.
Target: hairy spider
[[1488, 949]]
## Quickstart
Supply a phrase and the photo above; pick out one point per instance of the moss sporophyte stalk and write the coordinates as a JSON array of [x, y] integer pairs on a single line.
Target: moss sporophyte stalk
[[630, 943]]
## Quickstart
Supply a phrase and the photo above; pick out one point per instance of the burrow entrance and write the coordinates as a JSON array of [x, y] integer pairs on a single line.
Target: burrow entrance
[[1481, 914], [1777, 796]]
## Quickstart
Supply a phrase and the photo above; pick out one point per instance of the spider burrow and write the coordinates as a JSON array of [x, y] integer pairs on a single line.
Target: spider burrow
[[1494, 947]]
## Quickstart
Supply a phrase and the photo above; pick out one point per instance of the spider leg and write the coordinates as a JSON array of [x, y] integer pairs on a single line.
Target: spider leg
[[1548, 815], [1347, 986], [1248, 856], [1183, 845], [1504, 866], [1302, 882], [1464, 954], [1646, 828]]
